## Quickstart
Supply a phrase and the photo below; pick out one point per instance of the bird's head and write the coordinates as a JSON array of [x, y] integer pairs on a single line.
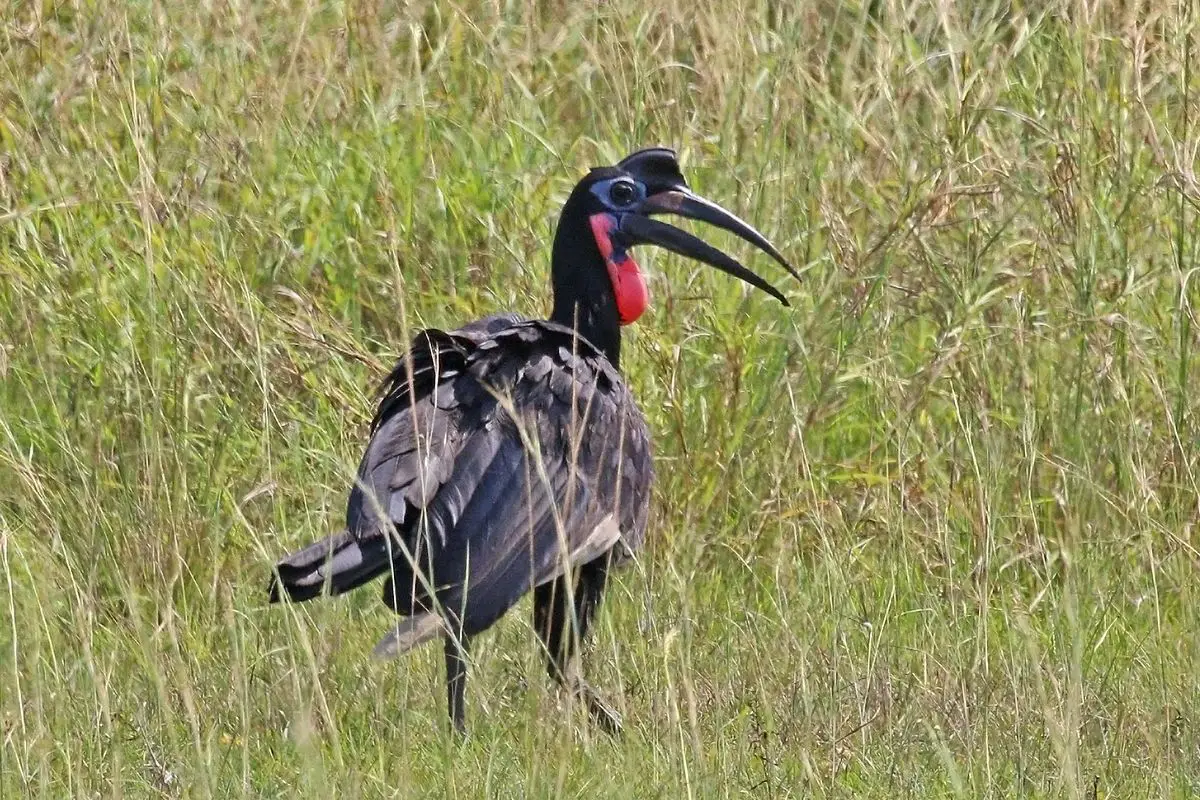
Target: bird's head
[[614, 207]]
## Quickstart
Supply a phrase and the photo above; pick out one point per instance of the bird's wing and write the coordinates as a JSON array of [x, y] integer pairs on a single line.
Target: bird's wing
[[418, 426], [529, 458]]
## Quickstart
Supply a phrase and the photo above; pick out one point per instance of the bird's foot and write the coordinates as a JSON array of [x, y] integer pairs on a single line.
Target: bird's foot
[[601, 713]]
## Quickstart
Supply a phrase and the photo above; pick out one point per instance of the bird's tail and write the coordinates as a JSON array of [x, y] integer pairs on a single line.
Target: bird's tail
[[331, 566]]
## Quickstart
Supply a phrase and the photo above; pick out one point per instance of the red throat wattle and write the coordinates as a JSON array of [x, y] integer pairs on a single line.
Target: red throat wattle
[[628, 283]]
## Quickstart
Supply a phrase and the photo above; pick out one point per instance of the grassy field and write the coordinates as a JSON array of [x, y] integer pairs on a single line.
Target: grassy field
[[930, 532]]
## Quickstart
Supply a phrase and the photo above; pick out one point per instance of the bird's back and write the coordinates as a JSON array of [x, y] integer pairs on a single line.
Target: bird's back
[[499, 454]]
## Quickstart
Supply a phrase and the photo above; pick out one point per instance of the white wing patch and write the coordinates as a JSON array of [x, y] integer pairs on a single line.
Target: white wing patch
[[409, 633], [602, 539]]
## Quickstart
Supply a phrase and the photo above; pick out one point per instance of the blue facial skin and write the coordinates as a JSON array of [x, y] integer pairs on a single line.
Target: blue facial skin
[[619, 199], [627, 195]]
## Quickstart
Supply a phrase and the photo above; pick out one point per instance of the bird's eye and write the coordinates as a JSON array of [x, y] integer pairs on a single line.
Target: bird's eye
[[622, 193]]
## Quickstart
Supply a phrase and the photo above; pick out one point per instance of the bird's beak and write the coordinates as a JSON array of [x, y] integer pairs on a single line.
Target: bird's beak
[[639, 228]]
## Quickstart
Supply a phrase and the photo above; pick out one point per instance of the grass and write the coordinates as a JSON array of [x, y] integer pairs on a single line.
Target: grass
[[930, 532]]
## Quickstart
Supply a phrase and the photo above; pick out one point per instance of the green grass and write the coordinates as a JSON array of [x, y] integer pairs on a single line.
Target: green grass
[[930, 532]]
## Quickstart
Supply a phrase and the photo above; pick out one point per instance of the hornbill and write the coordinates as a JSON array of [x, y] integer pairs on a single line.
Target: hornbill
[[509, 455]]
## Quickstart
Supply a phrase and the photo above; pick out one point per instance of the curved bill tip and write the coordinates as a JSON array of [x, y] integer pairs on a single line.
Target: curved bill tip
[[686, 203]]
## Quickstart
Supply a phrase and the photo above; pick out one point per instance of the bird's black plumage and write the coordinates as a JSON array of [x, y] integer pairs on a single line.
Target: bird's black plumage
[[508, 456]]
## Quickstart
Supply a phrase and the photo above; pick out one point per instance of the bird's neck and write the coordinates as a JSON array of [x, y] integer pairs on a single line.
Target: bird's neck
[[583, 292]]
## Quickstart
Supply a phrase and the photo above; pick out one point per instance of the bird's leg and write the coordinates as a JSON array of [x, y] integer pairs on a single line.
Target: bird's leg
[[562, 626], [456, 679]]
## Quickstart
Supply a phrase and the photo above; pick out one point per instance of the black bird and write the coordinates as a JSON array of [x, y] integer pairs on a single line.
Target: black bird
[[509, 455]]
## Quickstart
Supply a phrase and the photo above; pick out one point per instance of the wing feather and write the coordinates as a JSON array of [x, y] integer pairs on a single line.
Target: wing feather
[[513, 452]]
